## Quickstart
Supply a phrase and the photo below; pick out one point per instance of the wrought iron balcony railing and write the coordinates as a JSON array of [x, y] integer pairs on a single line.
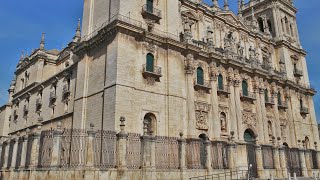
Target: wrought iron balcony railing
[[304, 110], [152, 72], [269, 101], [223, 89], [248, 96], [297, 72], [150, 12], [282, 105], [202, 85]]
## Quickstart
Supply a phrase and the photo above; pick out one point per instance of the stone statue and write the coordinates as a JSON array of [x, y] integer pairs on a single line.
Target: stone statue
[[270, 129], [240, 50], [223, 122]]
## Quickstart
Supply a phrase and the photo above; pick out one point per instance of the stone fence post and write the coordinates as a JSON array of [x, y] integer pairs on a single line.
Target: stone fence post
[[303, 163], [182, 152], [259, 160], [56, 148], [122, 146], [276, 160], [35, 149], [6, 154], [308, 162], [231, 151], [24, 152], [283, 161], [208, 147], [90, 147]]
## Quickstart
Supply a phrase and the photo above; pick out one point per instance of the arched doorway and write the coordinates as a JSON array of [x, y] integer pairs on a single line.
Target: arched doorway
[[249, 138], [150, 120]]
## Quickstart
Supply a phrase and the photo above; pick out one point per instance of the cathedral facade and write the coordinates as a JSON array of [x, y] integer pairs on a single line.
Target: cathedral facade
[[174, 68]]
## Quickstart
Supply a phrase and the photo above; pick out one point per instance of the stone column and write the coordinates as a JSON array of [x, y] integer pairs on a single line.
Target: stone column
[[24, 152], [259, 161], [56, 148], [276, 160], [303, 163], [238, 110], [6, 154], [264, 118], [260, 100], [207, 143], [90, 147], [318, 158], [215, 121], [233, 114], [283, 162], [14, 152], [276, 24], [191, 118]]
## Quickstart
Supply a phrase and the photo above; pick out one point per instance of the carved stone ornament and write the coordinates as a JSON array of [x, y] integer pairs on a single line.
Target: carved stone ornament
[[249, 118], [213, 71], [230, 45], [150, 47], [150, 80], [202, 109]]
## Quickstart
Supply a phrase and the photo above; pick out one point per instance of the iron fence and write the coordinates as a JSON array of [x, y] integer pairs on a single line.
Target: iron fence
[[195, 154], [167, 152], [267, 157], [105, 144], [134, 154], [219, 155]]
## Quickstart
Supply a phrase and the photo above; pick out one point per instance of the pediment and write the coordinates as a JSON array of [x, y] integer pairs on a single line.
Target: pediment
[[231, 18], [190, 14]]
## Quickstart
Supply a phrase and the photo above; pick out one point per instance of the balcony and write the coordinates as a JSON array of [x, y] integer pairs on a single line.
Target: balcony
[[304, 111], [297, 72], [248, 96], [282, 105], [204, 86], [223, 90], [148, 12], [153, 73], [269, 102]]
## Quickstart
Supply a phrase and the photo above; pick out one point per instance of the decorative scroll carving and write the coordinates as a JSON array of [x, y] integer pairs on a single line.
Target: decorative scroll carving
[[202, 109], [249, 118]]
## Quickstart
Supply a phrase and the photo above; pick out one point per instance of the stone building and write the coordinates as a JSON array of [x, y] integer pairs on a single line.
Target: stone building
[[219, 90]]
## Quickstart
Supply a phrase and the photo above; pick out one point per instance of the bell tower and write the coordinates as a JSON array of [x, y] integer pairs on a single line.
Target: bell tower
[[276, 18]]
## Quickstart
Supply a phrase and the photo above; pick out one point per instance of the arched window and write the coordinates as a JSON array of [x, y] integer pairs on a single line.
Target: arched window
[[245, 88], [150, 120], [220, 82], [279, 98], [150, 6], [150, 63], [200, 80], [266, 95], [248, 136], [260, 22]]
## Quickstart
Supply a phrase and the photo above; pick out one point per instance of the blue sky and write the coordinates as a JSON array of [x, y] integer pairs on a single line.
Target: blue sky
[[22, 23]]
